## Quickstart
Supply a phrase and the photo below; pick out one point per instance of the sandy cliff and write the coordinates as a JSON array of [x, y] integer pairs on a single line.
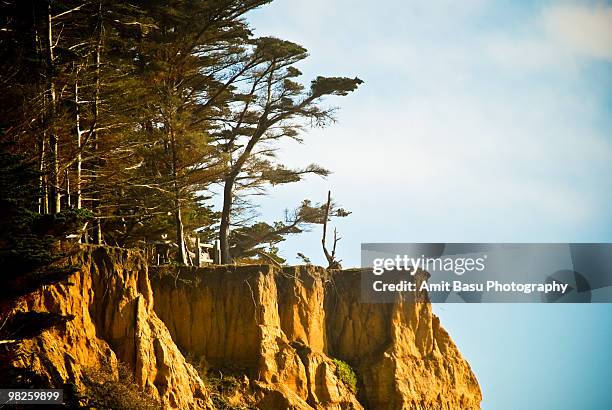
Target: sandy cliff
[[111, 300], [286, 334], [405, 359], [284, 327]]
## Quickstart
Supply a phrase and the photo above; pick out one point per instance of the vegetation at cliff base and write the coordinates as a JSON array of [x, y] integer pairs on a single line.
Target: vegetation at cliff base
[[115, 390]]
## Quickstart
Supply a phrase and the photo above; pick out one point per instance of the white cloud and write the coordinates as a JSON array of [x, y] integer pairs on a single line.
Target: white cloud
[[582, 29], [477, 149], [561, 37], [528, 53]]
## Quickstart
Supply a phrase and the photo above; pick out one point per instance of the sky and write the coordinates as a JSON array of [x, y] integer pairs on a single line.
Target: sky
[[478, 121]]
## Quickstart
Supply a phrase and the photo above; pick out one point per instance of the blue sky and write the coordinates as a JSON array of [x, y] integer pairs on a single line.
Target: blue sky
[[479, 121]]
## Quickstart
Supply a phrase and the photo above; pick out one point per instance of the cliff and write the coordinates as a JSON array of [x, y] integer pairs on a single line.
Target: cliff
[[111, 300], [405, 359], [285, 329], [258, 336]]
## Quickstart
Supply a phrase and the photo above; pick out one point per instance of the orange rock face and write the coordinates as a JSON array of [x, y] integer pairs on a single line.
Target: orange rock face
[[283, 330], [112, 302], [240, 317], [404, 358], [283, 327]]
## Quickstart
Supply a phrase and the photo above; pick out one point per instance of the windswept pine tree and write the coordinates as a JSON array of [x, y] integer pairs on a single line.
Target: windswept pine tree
[[136, 110], [269, 105]]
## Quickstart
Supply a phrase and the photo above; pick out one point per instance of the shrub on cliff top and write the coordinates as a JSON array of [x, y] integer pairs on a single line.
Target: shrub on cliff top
[[346, 373]]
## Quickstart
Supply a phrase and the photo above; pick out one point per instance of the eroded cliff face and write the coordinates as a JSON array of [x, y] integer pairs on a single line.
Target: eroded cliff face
[[235, 318], [405, 359], [280, 330], [112, 303], [283, 327]]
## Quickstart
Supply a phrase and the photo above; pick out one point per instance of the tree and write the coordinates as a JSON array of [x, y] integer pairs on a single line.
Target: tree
[[331, 211], [27, 238], [58, 73], [28, 257], [184, 59], [135, 110], [268, 106], [261, 238]]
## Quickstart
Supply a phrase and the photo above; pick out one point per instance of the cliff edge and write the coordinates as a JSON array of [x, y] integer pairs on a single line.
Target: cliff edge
[[114, 323], [291, 338], [293, 331]]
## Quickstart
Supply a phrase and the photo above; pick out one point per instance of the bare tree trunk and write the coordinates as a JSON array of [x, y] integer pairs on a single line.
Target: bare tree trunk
[[56, 205], [332, 263], [55, 196], [224, 229], [45, 182], [67, 185], [78, 135], [43, 204], [228, 195], [324, 239], [95, 136], [180, 235]]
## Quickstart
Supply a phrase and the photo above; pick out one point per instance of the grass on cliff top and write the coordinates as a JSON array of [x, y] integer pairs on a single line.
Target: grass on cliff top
[[346, 373]]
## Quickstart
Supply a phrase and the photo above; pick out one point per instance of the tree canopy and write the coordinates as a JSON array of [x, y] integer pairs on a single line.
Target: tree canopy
[[136, 111]]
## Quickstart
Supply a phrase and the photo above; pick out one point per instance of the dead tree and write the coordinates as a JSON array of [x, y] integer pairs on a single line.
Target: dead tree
[[332, 263]]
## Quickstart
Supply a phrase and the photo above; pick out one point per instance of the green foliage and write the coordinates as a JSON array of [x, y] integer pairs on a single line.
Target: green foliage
[[305, 259], [334, 85], [167, 100], [248, 241], [346, 373], [27, 259], [274, 49], [260, 240], [222, 387], [279, 174], [26, 237]]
